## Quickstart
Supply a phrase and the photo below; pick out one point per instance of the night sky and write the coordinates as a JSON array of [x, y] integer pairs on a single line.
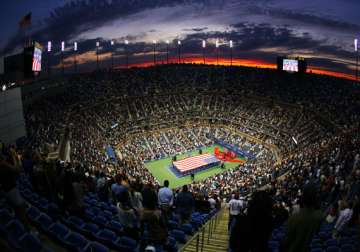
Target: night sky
[[321, 30]]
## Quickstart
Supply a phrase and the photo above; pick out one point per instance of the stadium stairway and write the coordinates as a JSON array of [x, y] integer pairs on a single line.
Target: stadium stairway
[[214, 238]]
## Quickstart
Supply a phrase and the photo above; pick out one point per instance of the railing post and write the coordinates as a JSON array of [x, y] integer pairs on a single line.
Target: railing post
[[197, 243], [202, 239], [209, 230]]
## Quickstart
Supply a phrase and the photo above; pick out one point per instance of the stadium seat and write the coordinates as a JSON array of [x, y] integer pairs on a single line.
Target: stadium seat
[[74, 222], [43, 204], [333, 249], [33, 213], [348, 248], [116, 227], [187, 228], [314, 245], [15, 229], [5, 217], [179, 235], [44, 221], [113, 209], [58, 231], [171, 244], [100, 220], [89, 229], [89, 214], [331, 242], [107, 236], [173, 225], [95, 247], [75, 241], [344, 240], [273, 244], [126, 244], [30, 243], [107, 214], [324, 235], [316, 250], [53, 209]]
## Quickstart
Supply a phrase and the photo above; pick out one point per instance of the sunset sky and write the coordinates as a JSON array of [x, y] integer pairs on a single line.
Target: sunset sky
[[321, 30]]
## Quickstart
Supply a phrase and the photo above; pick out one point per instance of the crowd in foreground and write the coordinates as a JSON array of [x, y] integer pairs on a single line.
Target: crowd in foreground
[[322, 186]]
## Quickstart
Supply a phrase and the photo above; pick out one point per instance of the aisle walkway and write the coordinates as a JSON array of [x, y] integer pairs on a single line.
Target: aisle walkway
[[217, 241]]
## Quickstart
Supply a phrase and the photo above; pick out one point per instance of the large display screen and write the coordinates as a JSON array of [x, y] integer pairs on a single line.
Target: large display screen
[[290, 65], [36, 64]]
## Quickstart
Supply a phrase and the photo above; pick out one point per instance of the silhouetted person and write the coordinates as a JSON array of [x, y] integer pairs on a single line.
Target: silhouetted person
[[302, 226], [252, 231], [185, 204]]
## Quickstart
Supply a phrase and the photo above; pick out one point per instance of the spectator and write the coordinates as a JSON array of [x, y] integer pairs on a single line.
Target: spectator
[[9, 171], [344, 216], [118, 190], [128, 216], [149, 197], [185, 204], [235, 208], [252, 231], [153, 223], [101, 187], [165, 198], [212, 202], [136, 196], [301, 227], [333, 213]]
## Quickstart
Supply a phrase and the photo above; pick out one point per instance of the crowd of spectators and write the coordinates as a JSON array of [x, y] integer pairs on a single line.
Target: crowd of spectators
[[308, 123]]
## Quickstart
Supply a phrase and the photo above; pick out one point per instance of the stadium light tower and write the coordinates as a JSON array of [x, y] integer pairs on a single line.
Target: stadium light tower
[[97, 54], [357, 58], [179, 51], [203, 49], [231, 52], [112, 43], [49, 47], [62, 56], [167, 51], [217, 51], [126, 42], [154, 43], [75, 52]]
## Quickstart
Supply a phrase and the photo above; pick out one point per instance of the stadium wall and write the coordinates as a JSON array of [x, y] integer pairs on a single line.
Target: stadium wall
[[12, 123]]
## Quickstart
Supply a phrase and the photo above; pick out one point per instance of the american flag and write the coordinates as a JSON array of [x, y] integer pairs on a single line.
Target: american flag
[[36, 65], [192, 163]]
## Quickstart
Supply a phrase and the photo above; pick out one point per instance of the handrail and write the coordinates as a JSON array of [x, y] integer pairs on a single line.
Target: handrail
[[199, 236]]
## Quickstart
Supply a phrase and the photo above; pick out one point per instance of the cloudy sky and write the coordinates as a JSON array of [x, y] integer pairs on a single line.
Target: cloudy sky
[[321, 30]]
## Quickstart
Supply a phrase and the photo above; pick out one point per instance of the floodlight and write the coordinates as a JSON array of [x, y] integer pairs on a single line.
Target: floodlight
[[356, 44], [49, 46]]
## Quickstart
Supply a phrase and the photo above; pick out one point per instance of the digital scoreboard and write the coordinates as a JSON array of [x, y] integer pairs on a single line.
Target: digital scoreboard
[[292, 64]]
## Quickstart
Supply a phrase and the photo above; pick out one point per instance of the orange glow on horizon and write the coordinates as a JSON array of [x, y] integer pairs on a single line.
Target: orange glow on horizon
[[331, 73], [195, 59]]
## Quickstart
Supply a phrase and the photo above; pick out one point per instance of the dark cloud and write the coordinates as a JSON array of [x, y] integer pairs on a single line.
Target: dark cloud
[[83, 15], [200, 29], [305, 18]]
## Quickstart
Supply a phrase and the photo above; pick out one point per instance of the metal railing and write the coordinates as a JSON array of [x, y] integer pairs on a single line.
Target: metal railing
[[199, 237]]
